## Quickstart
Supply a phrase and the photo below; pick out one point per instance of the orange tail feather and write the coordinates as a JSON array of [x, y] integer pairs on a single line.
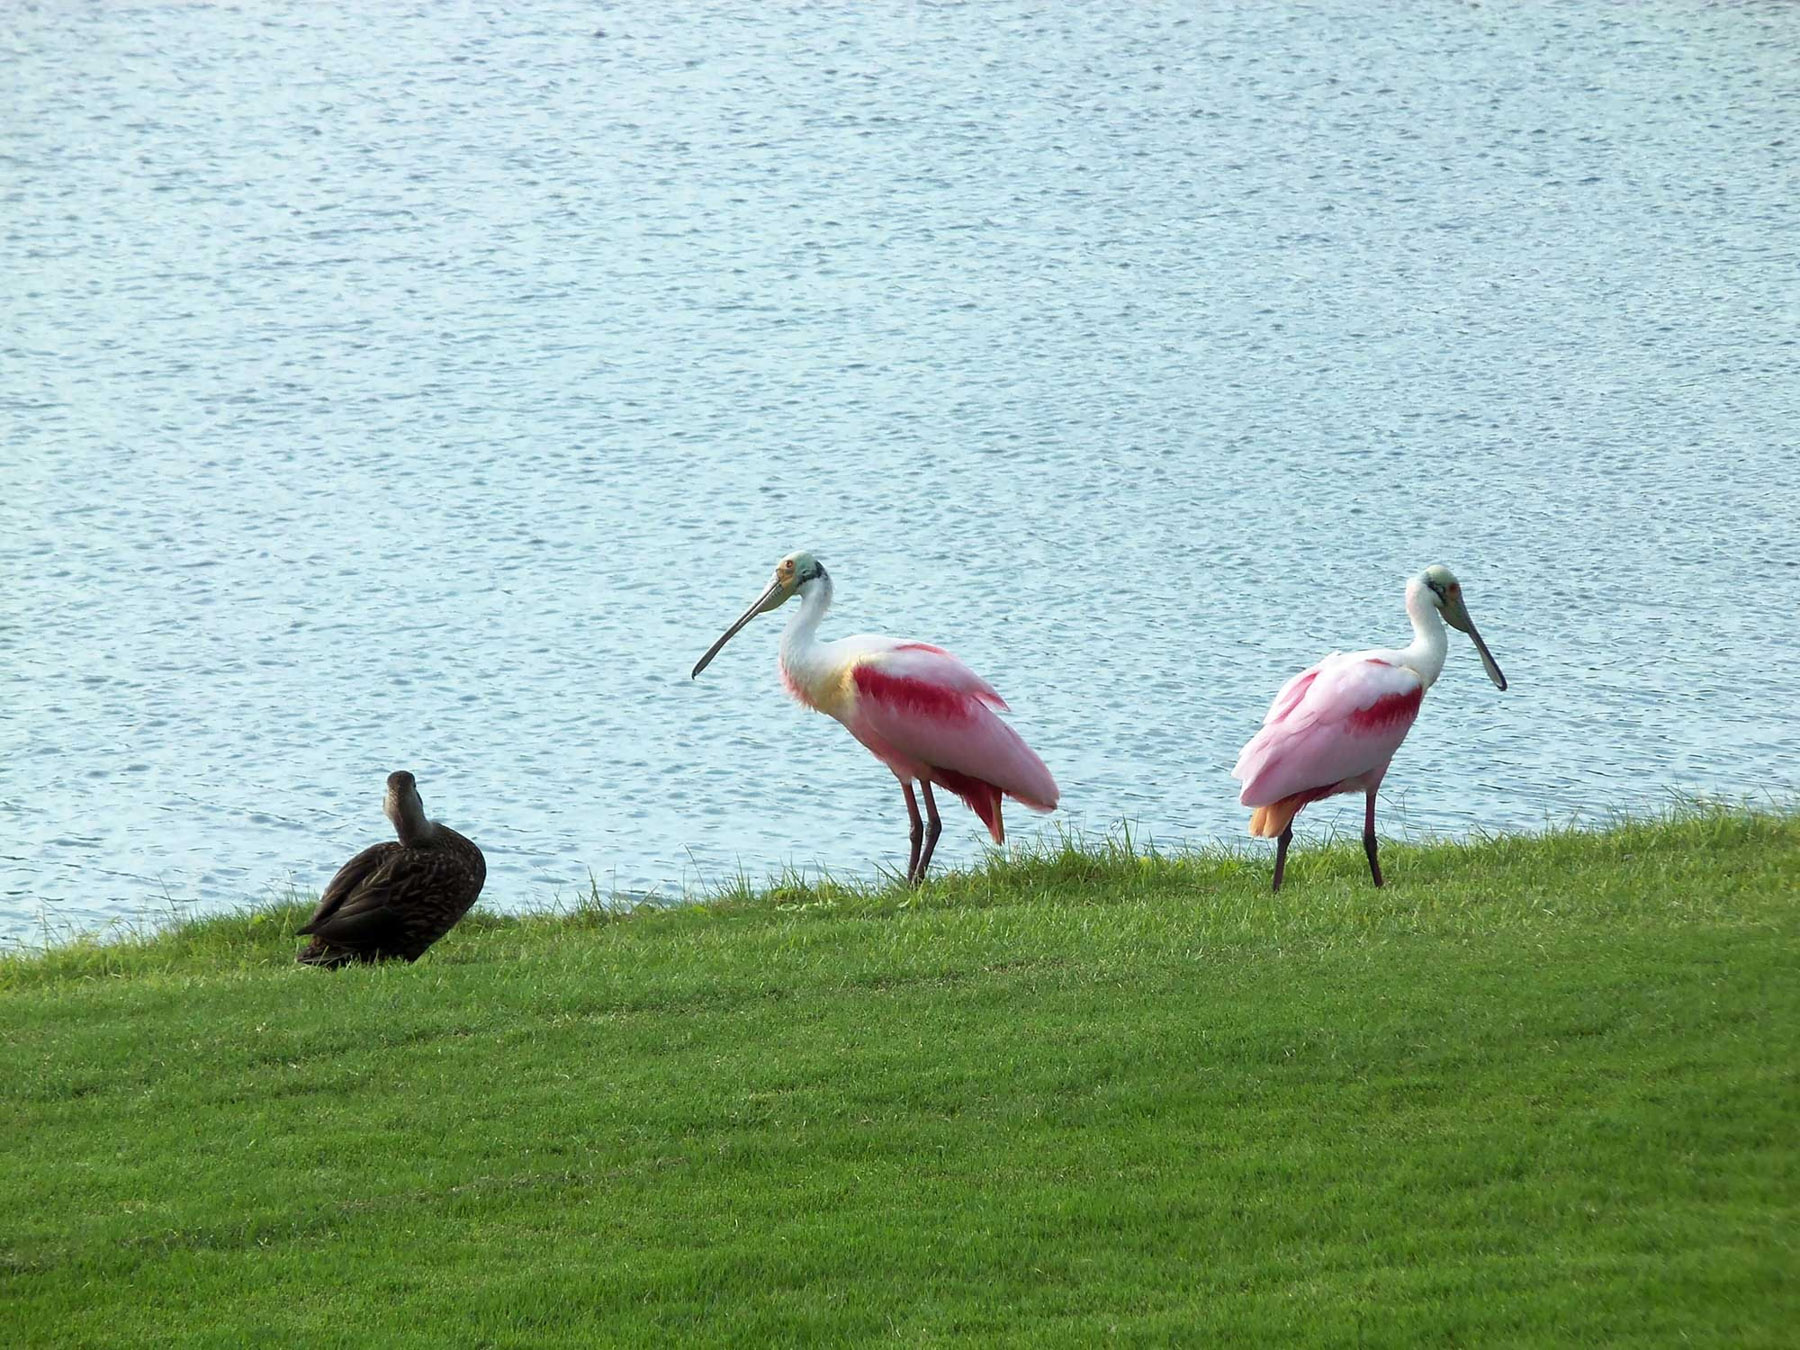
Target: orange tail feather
[[1266, 822]]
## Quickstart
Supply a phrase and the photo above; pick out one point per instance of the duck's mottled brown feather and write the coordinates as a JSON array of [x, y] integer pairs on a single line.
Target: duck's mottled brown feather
[[349, 877], [392, 901]]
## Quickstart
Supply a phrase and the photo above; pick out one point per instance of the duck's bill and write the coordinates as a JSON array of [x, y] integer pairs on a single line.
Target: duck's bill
[[762, 603]]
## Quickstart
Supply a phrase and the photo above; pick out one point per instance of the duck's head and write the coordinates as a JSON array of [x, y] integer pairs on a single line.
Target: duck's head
[[405, 808]]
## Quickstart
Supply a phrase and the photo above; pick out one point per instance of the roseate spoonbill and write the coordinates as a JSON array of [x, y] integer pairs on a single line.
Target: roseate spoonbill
[[1334, 728], [922, 712], [394, 900]]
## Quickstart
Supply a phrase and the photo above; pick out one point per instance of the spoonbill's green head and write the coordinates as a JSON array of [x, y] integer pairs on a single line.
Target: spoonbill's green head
[[1445, 591], [791, 573]]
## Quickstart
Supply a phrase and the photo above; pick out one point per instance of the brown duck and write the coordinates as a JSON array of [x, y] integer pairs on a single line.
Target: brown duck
[[392, 901]]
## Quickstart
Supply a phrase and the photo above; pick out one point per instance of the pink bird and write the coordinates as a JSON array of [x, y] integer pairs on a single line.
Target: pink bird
[[1335, 728], [919, 710]]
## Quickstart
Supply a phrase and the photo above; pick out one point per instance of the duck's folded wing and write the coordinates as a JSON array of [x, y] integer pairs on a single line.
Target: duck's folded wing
[[350, 878], [414, 890]]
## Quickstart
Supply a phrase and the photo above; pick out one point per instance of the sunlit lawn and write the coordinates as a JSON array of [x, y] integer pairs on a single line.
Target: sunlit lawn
[[1536, 1090]]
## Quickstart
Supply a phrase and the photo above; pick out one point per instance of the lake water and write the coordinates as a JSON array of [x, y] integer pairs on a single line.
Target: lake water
[[427, 388]]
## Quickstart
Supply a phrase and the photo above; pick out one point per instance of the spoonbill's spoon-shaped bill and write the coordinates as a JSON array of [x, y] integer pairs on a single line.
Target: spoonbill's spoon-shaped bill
[[1449, 592], [779, 591]]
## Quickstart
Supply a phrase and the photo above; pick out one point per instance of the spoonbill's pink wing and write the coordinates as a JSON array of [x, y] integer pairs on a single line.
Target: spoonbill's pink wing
[[1347, 721], [1292, 692], [927, 715], [922, 661]]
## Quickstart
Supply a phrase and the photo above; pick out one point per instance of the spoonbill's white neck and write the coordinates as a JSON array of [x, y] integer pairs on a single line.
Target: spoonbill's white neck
[[807, 667], [800, 640], [1425, 653]]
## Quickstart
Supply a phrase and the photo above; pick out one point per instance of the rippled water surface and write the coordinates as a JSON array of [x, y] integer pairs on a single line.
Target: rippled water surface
[[427, 389]]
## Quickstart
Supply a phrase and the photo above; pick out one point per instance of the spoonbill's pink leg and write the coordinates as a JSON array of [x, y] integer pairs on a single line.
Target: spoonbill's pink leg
[[1281, 847], [918, 832], [1369, 837], [934, 826]]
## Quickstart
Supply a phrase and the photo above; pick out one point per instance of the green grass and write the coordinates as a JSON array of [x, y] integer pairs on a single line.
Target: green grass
[[1535, 1091]]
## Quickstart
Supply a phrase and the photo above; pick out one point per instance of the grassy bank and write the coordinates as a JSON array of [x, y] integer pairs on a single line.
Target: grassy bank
[[1535, 1090]]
